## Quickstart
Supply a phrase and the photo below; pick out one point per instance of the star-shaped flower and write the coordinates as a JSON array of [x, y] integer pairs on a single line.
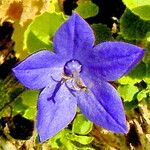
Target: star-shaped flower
[[77, 74]]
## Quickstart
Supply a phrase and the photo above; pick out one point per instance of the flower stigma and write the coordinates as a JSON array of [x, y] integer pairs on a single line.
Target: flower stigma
[[72, 70]]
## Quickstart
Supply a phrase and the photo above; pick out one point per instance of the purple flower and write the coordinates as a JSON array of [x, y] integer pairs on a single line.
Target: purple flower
[[77, 74]]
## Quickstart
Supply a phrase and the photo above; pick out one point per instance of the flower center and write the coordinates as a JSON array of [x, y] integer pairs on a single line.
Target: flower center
[[71, 78], [72, 68]]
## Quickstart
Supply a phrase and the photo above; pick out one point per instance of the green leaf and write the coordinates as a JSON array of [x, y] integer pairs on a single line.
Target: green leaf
[[127, 80], [86, 8], [40, 32], [79, 138], [81, 125], [30, 113], [132, 27], [148, 38], [142, 94], [30, 98], [26, 104], [127, 92], [19, 107], [65, 139], [136, 75], [55, 6], [55, 141], [4, 97], [147, 78], [102, 33], [18, 37], [83, 139], [143, 12], [62, 140], [139, 7], [130, 105], [9, 97], [139, 71], [146, 58]]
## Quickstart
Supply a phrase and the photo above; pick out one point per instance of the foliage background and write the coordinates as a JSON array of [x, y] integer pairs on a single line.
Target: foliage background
[[29, 25]]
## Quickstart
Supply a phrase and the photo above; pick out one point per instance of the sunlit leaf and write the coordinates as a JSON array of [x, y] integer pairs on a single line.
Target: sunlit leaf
[[127, 92], [30, 98], [86, 8], [18, 37], [55, 141], [136, 75], [139, 7], [40, 32], [66, 140], [30, 113], [148, 37], [81, 125], [142, 94], [83, 139], [55, 6], [19, 107]]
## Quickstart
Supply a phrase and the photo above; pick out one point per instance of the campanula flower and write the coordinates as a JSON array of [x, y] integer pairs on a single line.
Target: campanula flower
[[77, 74]]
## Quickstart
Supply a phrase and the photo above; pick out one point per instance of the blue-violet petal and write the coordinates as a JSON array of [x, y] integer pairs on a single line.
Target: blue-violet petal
[[37, 70], [102, 105], [74, 38], [54, 114], [111, 60]]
